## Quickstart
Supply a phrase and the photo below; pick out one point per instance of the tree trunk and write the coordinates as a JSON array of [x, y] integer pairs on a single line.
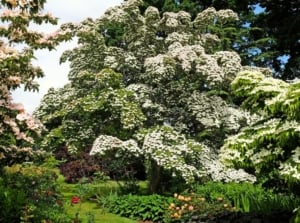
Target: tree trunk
[[155, 174]]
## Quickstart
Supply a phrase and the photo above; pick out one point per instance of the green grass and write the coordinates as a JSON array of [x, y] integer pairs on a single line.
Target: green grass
[[87, 207]]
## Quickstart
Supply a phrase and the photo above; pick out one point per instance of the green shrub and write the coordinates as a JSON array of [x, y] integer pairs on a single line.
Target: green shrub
[[30, 194], [151, 208], [194, 207], [11, 203], [248, 197]]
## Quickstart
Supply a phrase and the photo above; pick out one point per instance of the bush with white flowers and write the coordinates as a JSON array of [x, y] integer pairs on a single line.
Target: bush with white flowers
[[269, 147]]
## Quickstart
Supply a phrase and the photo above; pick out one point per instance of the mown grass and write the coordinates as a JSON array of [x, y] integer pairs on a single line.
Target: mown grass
[[87, 209]]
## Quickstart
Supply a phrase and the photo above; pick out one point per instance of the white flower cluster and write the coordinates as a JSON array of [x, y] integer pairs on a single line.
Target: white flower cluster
[[226, 15], [291, 168], [230, 63], [169, 149], [163, 145], [205, 18], [159, 69], [210, 16], [152, 16], [143, 95], [214, 112], [218, 171], [171, 21], [105, 143]]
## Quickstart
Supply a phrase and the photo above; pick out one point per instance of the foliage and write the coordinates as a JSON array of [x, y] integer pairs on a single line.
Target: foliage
[[248, 197], [151, 207], [219, 202], [17, 44], [195, 207], [97, 103], [30, 194], [157, 83], [269, 147], [258, 37]]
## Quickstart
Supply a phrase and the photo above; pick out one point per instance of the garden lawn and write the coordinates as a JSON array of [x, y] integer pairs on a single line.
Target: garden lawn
[[86, 208]]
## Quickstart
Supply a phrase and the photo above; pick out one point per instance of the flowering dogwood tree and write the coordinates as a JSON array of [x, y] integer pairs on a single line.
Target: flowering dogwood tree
[[161, 92], [99, 103], [17, 45], [268, 148]]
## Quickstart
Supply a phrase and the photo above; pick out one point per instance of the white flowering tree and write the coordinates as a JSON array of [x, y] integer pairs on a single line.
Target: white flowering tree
[[17, 45], [269, 148], [169, 62], [98, 104], [160, 91]]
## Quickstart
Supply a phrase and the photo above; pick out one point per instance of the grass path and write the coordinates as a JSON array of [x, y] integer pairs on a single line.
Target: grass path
[[86, 209]]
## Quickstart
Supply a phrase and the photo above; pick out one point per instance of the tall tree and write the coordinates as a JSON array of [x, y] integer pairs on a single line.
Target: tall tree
[[260, 37], [162, 93], [278, 37], [17, 128]]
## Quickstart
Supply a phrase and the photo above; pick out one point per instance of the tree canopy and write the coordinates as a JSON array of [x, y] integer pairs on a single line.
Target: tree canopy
[[17, 45], [163, 92], [167, 92], [260, 38]]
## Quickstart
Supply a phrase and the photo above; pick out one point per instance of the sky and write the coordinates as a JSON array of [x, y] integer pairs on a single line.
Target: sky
[[56, 74]]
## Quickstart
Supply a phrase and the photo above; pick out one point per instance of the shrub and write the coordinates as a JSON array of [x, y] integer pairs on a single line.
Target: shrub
[[248, 197], [77, 166], [30, 194], [194, 207], [11, 203], [145, 208]]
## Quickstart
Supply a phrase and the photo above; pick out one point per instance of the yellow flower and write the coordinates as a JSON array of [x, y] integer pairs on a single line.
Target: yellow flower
[[220, 199], [191, 208], [12, 2], [176, 215], [187, 199], [181, 198], [172, 205], [201, 199]]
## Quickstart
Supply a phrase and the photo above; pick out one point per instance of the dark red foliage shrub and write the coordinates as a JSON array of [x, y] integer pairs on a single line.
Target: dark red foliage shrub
[[77, 166], [77, 169]]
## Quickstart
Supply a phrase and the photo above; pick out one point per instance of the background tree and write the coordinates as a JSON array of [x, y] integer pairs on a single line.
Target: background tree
[[260, 38]]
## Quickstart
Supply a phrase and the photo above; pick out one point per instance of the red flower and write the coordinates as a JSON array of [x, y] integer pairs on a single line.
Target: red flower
[[75, 200]]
